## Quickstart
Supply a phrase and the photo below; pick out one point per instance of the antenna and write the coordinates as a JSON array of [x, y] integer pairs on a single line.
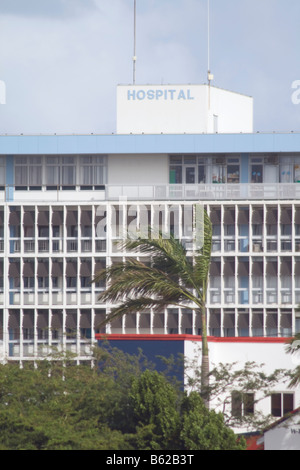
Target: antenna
[[210, 76], [134, 44]]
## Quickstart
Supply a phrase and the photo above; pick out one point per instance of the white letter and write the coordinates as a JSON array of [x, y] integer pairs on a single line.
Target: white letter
[[296, 94], [2, 92], [101, 225]]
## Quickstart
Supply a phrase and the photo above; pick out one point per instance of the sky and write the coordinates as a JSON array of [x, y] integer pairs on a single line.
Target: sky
[[61, 60]]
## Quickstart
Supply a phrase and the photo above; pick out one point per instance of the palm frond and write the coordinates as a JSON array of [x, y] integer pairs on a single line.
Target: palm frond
[[133, 279]]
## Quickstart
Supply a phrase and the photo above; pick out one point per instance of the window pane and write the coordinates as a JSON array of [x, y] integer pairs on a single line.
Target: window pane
[[288, 402], [175, 175], [249, 404], [98, 175], [2, 170], [176, 159], [233, 174], [257, 174], [21, 175], [236, 404], [68, 160], [52, 175], [190, 160], [68, 175], [276, 404], [190, 175], [35, 176], [201, 174], [86, 175]]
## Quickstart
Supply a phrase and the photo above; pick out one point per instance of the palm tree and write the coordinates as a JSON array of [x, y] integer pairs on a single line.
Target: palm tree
[[173, 278]]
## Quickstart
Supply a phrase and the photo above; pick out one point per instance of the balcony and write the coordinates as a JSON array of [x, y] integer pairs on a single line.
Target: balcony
[[266, 191], [173, 192]]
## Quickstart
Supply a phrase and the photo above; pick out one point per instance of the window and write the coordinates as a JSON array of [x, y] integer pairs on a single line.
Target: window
[[85, 282], [286, 170], [60, 171], [43, 282], [68, 172], [281, 404], [43, 231], [242, 404], [92, 171], [233, 170], [71, 282], [194, 169], [28, 282], [28, 171], [219, 171], [256, 170], [55, 231], [201, 171], [85, 333], [2, 171]]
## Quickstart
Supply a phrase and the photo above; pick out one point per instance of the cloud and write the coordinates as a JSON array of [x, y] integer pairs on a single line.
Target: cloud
[[61, 60], [46, 8]]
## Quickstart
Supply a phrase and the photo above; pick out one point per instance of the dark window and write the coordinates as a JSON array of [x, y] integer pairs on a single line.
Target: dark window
[[281, 403], [242, 404]]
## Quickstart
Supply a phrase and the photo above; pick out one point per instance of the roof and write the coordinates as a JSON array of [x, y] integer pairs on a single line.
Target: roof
[[260, 440], [149, 143], [282, 420]]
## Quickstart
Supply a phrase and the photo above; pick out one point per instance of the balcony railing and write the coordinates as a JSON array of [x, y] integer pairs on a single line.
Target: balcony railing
[[202, 192], [172, 192]]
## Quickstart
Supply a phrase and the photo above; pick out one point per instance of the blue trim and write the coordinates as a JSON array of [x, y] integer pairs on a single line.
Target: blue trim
[[145, 144]]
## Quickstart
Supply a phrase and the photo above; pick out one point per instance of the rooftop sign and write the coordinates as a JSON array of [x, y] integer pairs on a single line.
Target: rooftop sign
[[160, 94]]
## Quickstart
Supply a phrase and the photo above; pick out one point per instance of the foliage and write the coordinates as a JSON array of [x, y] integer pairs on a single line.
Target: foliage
[[203, 429], [59, 405]]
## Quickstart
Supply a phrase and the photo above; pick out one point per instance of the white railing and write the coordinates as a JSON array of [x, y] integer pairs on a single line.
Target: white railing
[[208, 192], [172, 192]]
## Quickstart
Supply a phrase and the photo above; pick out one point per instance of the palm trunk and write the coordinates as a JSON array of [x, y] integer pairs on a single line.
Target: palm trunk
[[205, 360]]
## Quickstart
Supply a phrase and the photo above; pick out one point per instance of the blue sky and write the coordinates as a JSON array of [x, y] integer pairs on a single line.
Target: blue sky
[[62, 59]]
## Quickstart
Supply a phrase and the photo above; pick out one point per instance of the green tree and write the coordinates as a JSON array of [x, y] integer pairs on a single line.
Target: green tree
[[203, 429], [168, 419], [293, 348], [173, 278], [59, 405], [153, 402]]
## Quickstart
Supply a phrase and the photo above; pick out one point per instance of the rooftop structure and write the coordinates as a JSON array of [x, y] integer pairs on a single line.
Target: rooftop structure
[[179, 109]]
